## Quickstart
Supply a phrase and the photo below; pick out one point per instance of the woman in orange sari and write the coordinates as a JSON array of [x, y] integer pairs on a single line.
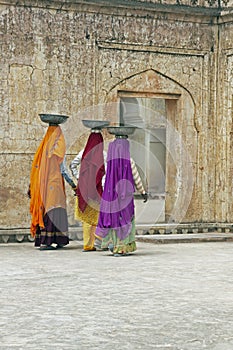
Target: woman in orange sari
[[49, 223]]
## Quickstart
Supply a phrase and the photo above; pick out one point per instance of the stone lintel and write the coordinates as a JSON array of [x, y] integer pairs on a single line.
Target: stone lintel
[[145, 48]]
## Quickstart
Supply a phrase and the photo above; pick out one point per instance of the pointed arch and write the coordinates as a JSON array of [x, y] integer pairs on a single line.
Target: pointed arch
[[140, 73]]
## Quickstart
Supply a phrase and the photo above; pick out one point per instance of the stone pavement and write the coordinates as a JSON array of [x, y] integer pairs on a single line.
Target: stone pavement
[[164, 296]]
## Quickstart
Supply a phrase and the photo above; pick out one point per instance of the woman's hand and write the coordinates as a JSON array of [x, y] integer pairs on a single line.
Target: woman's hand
[[145, 197]]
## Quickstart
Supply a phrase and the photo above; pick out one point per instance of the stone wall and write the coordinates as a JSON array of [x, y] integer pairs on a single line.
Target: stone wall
[[69, 57]]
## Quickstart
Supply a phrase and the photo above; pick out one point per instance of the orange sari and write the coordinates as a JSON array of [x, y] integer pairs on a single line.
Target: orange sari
[[46, 182]]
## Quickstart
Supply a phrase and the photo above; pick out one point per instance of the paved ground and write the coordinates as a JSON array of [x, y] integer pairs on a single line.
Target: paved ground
[[165, 296]]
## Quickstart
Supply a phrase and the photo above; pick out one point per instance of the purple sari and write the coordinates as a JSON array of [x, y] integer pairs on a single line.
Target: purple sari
[[117, 203]]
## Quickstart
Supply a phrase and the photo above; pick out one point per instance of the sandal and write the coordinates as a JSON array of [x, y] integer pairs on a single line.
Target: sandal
[[47, 247], [89, 250]]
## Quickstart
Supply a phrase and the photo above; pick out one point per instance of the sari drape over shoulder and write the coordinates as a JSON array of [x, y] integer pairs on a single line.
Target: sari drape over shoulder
[[117, 204], [46, 183], [91, 172]]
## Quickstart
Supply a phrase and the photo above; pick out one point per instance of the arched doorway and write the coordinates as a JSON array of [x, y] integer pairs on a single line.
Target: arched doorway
[[164, 145]]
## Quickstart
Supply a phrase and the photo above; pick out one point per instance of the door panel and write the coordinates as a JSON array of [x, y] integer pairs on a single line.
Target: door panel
[[148, 149]]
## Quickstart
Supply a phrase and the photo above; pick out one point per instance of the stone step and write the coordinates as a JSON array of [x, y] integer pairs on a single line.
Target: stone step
[[157, 233], [186, 238]]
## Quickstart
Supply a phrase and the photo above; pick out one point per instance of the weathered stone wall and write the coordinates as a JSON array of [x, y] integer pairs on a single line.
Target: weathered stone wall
[[66, 56], [224, 136]]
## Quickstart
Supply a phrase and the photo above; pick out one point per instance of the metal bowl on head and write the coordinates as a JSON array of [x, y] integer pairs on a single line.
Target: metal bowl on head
[[121, 130], [53, 119], [95, 124]]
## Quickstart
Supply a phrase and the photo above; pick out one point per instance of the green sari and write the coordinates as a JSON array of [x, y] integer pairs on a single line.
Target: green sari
[[123, 247]]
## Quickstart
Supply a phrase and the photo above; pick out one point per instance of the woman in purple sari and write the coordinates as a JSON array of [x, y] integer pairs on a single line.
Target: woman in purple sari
[[116, 224]]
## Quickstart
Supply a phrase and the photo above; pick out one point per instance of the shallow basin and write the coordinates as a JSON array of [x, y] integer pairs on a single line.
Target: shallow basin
[[95, 124], [53, 119], [121, 130]]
